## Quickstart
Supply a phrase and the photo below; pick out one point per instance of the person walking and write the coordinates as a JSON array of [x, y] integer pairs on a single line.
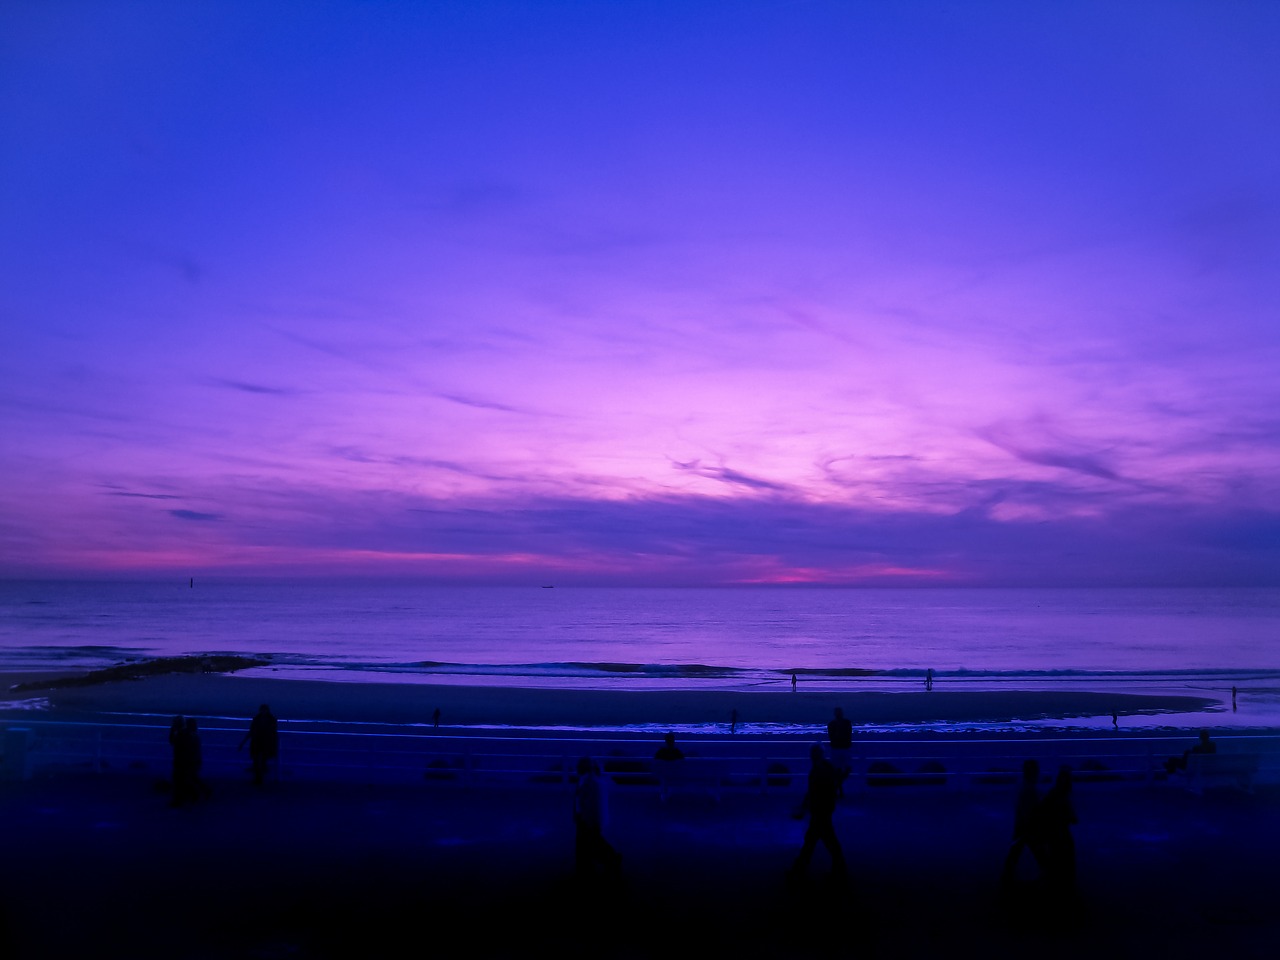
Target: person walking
[[176, 731], [1055, 817], [591, 849], [840, 735], [187, 760], [820, 804], [1026, 824]]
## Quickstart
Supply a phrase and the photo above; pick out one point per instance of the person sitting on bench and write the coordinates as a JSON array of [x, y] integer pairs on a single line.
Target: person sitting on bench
[[669, 750], [1204, 745]]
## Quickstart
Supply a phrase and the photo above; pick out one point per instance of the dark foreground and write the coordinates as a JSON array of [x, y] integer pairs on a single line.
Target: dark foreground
[[102, 867]]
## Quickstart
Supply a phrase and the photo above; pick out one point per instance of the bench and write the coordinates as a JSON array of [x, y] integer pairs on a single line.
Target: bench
[[1208, 770]]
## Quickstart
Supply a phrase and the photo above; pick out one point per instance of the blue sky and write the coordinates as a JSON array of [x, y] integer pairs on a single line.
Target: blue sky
[[641, 292]]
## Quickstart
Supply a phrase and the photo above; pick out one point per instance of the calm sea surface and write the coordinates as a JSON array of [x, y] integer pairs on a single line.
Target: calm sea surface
[[649, 636]]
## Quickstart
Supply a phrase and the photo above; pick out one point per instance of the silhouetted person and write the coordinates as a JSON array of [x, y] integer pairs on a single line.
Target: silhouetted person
[[591, 848], [176, 729], [669, 751], [1233, 699], [187, 786], [200, 789], [264, 742], [1026, 824], [1115, 720], [1203, 745], [733, 721], [840, 734], [1055, 819], [820, 803], [793, 683], [435, 718], [928, 679]]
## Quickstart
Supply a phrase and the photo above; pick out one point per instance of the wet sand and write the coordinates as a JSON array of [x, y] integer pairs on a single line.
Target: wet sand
[[238, 696]]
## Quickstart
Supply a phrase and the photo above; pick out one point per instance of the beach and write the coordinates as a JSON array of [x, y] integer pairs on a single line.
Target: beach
[[97, 864], [104, 869]]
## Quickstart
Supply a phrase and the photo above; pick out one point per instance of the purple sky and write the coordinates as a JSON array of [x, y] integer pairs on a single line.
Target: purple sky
[[665, 292]]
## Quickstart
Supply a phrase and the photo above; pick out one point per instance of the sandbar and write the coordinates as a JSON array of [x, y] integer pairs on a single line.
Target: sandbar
[[236, 695]]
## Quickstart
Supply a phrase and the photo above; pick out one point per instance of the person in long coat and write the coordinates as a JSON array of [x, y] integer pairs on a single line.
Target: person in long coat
[[264, 742]]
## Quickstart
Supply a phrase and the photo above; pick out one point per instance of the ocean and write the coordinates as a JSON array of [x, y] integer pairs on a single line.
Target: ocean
[[1201, 641], [759, 634]]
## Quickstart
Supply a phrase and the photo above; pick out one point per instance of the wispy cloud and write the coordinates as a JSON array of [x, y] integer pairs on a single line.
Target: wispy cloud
[[727, 475], [356, 455], [479, 404], [709, 540], [1047, 450], [257, 388], [195, 515]]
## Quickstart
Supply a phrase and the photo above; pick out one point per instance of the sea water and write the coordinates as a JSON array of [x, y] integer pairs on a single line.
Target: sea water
[[380, 630]]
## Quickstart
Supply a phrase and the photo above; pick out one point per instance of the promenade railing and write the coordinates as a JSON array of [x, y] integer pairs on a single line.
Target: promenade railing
[[714, 764]]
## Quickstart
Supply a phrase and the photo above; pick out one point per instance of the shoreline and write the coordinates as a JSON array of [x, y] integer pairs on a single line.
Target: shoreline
[[232, 695]]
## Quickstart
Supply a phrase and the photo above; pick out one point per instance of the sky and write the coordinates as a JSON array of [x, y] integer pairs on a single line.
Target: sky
[[685, 292]]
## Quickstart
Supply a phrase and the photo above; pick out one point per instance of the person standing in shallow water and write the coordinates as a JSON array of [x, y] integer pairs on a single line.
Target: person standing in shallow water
[[264, 742], [820, 803]]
